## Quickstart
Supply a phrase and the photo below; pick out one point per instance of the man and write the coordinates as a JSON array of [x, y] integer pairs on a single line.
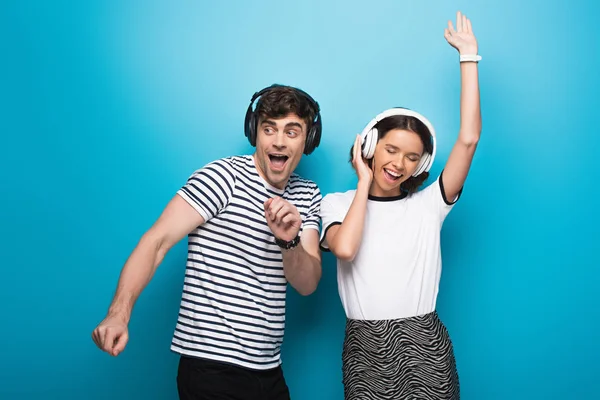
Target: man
[[252, 226]]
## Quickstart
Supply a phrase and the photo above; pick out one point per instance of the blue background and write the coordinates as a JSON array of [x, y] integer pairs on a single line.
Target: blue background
[[108, 106]]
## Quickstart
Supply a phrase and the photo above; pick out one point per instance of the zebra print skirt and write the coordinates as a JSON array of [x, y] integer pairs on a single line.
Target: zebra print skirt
[[409, 358]]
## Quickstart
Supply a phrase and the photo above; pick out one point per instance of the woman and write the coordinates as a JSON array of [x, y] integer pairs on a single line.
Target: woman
[[386, 237]]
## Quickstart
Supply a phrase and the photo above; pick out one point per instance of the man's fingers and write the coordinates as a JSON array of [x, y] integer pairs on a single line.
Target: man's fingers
[[268, 208], [289, 218], [109, 340], [275, 207], [268, 203], [100, 335], [288, 215], [95, 337], [119, 346], [282, 212]]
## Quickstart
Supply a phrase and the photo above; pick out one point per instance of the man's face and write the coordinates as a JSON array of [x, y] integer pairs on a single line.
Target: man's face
[[279, 147]]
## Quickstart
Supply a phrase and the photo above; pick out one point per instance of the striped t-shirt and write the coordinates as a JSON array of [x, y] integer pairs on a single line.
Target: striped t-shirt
[[233, 302]]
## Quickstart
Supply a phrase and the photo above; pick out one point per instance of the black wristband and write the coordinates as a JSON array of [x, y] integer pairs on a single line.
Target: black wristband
[[288, 244]]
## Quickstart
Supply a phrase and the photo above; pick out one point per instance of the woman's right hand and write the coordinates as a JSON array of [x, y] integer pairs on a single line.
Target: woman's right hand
[[363, 171]]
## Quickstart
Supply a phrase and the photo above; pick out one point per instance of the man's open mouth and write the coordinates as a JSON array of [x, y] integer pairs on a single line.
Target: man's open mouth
[[278, 161]]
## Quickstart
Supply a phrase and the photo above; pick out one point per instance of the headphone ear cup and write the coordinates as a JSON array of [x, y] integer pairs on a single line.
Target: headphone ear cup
[[314, 138], [422, 164], [252, 130], [247, 123], [427, 163], [309, 146], [364, 144], [369, 143], [249, 126]]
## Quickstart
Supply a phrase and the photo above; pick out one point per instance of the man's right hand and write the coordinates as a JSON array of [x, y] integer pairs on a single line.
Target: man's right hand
[[111, 335]]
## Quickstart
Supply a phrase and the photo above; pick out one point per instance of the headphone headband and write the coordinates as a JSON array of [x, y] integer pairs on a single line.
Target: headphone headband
[[370, 136], [275, 86]]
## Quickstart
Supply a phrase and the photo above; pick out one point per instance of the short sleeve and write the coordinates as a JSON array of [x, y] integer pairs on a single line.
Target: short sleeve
[[313, 218], [210, 188], [434, 197], [333, 212]]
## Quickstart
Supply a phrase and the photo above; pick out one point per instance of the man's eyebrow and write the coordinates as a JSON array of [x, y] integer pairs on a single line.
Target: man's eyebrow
[[293, 124], [268, 122]]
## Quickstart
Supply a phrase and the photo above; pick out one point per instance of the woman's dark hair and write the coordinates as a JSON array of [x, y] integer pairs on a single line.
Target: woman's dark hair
[[411, 124]]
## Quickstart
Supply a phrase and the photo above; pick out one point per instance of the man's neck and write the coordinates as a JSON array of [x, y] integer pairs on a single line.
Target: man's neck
[[264, 176]]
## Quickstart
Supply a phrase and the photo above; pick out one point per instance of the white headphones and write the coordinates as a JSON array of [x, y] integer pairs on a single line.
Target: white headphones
[[370, 136]]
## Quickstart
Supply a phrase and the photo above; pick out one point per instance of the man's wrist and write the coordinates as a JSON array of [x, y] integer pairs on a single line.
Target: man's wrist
[[288, 244], [119, 312], [121, 317]]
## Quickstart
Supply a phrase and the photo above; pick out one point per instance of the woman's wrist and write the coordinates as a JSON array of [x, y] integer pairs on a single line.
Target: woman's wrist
[[363, 185]]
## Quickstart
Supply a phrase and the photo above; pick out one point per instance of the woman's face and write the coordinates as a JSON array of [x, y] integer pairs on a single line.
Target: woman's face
[[396, 158]]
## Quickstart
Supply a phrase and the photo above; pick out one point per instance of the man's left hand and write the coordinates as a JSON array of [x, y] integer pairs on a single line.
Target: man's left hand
[[283, 218]]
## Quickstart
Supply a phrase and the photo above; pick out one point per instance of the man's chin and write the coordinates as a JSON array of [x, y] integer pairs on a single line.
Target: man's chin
[[277, 178], [277, 172], [284, 170]]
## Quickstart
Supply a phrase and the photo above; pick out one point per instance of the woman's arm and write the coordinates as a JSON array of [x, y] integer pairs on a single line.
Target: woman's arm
[[461, 156], [344, 239]]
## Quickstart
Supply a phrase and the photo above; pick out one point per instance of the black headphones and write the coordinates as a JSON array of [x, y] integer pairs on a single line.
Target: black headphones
[[313, 137]]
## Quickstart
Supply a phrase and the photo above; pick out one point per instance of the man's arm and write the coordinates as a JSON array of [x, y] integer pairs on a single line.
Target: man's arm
[[176, 221], [302, 264]]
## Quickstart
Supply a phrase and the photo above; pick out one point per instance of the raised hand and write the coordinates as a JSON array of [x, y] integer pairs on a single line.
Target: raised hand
[[363, 171], [283, 218], [461, 38]]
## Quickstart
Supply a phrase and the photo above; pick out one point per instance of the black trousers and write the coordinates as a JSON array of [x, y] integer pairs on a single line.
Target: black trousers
[[200, 379]]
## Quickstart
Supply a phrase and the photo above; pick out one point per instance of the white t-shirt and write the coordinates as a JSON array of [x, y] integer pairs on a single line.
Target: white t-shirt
[[396, 271]]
